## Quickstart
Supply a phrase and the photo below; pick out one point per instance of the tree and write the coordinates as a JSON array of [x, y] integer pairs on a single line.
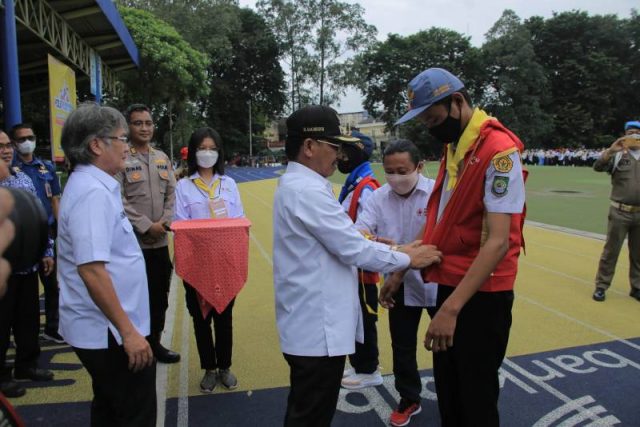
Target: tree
[[171, 71], [340, 31], [590, 69], [515, 85], [292, 29]]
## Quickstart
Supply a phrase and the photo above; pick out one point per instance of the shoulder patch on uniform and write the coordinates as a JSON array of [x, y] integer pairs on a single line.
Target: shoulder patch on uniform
[[503, 164], [500, 186]]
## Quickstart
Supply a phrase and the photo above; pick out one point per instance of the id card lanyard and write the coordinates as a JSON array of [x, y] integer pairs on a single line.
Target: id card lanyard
[[217, 208]]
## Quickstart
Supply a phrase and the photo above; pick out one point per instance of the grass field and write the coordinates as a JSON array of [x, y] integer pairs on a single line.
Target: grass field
[[570, 197]]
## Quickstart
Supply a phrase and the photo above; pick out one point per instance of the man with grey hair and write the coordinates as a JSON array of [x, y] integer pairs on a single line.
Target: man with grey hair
[[104, 302]]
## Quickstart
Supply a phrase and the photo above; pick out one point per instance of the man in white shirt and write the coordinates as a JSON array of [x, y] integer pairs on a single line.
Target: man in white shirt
[[397, 211], [316, 249], [104, 301]]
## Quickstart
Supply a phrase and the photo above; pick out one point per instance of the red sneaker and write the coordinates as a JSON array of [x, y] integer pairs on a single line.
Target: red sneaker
[[402, 416]]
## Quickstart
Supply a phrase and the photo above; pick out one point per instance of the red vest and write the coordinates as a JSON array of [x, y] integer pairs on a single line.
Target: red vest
[[458, 234], [367, 277]]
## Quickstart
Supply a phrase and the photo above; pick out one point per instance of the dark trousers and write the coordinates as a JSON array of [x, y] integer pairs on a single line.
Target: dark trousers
[[218, 355], [466, 375], [403, 326], [20, 313], [159, 270], [365, 359], [120, 397], [51, 297], [315, 386], [621, 225]]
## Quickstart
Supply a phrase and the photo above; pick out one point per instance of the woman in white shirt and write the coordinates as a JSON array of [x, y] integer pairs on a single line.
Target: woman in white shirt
[[206, 192]]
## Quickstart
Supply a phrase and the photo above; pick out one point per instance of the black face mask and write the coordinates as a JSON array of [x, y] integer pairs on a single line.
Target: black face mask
[[447, 131], [354, 158]]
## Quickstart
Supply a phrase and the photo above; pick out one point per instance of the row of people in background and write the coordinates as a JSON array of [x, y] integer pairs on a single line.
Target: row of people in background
[[561, 156]]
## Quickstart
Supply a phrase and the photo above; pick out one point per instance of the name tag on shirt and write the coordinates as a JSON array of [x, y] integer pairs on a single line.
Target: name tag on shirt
[[218, 207]]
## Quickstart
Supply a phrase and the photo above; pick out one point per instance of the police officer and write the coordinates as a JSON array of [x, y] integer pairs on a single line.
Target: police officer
[[148, 188], [622, 162], [43, 174]]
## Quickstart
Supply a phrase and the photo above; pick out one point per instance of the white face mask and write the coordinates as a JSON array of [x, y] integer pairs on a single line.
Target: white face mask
[[206, 158], [402, 184], [27, 147]]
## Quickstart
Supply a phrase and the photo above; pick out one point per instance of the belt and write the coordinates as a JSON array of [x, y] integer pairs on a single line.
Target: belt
[[625, 208]]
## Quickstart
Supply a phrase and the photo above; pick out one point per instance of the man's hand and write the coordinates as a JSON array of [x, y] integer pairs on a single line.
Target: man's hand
[[439, 335], [618, 145], [421, 255], [390, 288], [156, 231], [138, 350], [47, 265]]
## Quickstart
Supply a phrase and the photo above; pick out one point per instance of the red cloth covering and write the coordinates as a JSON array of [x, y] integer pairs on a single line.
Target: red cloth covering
[[212, 255]]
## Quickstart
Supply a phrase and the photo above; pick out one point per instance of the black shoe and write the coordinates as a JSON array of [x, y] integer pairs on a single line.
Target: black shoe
[[33, 374], [164, 355], [635, 293], [598, 295], [12, 389]]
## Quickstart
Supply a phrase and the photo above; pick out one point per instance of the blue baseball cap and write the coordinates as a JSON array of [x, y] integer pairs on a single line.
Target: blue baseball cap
[[634, 124], [427, 88], [367, 142]]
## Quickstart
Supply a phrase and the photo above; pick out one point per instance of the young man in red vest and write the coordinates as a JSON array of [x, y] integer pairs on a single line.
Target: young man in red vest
[[359, 185], [475, 217]]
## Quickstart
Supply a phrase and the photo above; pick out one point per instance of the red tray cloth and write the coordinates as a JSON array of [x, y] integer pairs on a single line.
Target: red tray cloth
[[212, 255]]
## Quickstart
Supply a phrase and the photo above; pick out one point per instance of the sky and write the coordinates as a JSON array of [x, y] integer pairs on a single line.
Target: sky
[[469, 17]]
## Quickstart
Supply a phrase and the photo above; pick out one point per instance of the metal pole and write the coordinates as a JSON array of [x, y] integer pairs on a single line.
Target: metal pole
[[9, 65], [250, 136], [170, 135]]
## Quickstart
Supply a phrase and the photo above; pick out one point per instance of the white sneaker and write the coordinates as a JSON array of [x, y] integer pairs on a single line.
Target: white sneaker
[[358, 381], [348, 372]]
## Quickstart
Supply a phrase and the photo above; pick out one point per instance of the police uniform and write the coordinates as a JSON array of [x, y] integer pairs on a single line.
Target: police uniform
[[148, 189], [47, 185], [624, 217]]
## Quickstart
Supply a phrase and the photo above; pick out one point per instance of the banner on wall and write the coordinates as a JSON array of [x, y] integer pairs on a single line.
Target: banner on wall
[[62, 101]]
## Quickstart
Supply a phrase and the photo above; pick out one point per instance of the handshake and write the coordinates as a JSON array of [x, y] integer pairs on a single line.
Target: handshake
[[421, 255]]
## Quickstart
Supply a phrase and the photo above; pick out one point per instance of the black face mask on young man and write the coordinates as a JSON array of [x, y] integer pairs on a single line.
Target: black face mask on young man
[[449, 130], [353, 157]]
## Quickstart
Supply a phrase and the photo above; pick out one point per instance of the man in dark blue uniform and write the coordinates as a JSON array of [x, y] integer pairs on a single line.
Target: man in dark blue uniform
[[43, 174]]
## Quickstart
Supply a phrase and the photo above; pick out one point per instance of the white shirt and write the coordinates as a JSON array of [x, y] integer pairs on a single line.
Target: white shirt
[[386, 214], [92, 226], [316, 247], [193, 203], [510, 201], [364, 195]]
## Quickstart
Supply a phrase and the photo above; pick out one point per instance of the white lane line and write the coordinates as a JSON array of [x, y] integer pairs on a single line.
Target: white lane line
[[183, 392], [162, 369], [262, 201], [579, 322], [572, 231], [264, 253], [568, 276]]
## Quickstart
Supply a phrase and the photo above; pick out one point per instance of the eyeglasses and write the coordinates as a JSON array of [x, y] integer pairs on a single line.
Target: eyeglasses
[[140, 123], [6, 147], [31, 138], [122, 139], [337, 147]]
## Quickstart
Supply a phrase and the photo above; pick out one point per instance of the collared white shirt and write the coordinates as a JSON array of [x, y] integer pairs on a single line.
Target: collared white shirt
[[386, 214], [92, 226], [316, 248], [510, 200], [193, 203]]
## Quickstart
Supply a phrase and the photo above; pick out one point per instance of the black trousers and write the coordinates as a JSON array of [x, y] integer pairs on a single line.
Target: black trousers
[[159, 268], [315, 386], [466, 375], [365, 359], [20, 313], [120, 397], [51, 294], [403, 326], [218, 355]]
